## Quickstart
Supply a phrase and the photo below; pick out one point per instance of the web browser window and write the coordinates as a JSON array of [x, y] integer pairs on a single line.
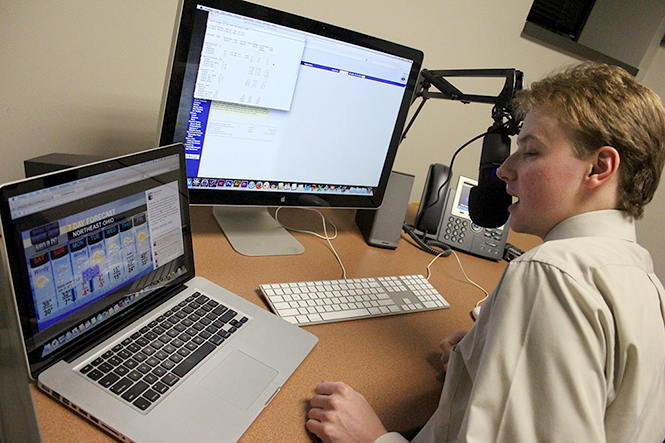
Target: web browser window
[[281, 106]]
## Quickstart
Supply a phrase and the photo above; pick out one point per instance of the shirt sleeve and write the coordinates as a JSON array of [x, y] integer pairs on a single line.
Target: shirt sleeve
[[537, 359]]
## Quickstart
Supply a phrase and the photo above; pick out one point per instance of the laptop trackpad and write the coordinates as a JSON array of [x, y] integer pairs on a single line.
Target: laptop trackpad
[[239, 379]]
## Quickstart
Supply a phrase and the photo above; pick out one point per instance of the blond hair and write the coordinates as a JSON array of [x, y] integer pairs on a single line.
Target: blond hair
[[603, 105]]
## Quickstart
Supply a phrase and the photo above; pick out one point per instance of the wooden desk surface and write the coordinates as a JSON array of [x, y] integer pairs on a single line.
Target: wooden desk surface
[[393, 361]]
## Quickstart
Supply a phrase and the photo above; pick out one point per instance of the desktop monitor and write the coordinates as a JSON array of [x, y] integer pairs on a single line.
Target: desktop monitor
[[280, 110]]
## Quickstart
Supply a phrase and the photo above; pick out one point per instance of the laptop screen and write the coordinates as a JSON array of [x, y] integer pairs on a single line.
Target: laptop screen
[[90, 245]]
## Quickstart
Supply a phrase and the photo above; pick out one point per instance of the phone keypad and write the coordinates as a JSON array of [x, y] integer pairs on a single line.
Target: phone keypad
[[456, 230]]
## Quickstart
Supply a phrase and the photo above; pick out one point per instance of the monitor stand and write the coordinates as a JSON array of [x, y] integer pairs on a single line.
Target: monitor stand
[[253, 231]]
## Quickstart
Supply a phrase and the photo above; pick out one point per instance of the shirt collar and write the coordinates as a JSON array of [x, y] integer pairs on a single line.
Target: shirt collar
[[604, 223]]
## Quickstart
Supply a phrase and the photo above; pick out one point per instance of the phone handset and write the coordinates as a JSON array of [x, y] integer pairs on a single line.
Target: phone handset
[[429, 213], [433, 199]]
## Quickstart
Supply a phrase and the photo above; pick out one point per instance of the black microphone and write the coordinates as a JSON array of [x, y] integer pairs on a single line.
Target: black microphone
[[489, 201]]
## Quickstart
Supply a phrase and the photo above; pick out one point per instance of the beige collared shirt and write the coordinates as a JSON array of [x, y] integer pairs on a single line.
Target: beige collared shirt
[[570, 346]]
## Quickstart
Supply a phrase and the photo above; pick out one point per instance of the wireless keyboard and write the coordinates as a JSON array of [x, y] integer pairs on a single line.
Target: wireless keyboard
[[308, 303]]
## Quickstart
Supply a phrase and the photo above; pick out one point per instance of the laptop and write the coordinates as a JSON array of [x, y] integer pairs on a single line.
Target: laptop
[[115, 323]]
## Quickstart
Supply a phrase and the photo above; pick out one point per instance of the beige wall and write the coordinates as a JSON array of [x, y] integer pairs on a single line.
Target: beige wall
[[86, 76]]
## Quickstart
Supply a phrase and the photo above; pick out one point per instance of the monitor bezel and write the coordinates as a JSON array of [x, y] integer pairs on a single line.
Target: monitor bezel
[[173, 88]]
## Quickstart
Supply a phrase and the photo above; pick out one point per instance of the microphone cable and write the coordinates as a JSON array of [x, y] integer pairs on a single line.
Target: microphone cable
[[450, 174], [428, 245]]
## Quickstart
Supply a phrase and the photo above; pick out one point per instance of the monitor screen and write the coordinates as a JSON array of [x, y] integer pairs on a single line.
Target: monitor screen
[[280, 110]]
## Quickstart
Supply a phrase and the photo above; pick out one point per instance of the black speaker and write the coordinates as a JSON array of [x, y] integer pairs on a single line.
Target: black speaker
[[382, 227], [55, 162]]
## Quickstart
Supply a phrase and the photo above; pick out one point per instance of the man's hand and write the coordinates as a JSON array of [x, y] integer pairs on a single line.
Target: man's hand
[[339, 414], [447, 346]]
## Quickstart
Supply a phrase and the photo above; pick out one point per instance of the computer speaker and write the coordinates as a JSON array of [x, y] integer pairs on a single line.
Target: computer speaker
[[382, 227]]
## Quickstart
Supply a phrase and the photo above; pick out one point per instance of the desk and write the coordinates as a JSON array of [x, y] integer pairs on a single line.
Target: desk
[[393, 361]]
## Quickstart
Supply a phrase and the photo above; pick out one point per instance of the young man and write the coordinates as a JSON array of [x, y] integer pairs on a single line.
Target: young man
[[570, 346]]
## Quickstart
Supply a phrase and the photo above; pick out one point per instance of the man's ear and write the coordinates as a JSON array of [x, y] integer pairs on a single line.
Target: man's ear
[[605, 167]]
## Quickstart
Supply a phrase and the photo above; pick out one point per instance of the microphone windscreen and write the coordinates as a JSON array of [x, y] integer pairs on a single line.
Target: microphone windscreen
[[488, 206]]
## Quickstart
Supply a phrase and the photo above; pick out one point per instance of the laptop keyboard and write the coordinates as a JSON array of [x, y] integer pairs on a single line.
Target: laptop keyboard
[[150, 362]]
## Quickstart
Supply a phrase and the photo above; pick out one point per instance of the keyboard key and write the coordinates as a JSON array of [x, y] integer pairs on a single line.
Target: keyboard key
[[167, 364], [175, 358], [352, 313], [135, 375], [150, 378], [121, 386], [136, 390], [95, 374], [121, 370], [169, 379], [202, 299], [288, 312], [142, 403], [105, 367], [160, 387], [219, 310], [228, 315], [194, 358], [151, 395], [216, 340], [108, 380]]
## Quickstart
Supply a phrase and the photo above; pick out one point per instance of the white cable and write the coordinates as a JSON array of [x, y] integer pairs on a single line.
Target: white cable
[[324, 236], [467, 277], [429, 273], [429, 270], [472, 282]]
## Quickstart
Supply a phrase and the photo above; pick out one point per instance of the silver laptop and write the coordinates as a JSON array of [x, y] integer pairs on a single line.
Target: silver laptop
[[115, 323]]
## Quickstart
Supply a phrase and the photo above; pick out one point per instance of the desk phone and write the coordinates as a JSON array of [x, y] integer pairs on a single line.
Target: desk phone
[[444, 217]]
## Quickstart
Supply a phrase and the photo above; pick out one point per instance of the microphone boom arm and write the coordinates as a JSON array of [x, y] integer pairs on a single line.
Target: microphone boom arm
[[502, 107], [437, 79]]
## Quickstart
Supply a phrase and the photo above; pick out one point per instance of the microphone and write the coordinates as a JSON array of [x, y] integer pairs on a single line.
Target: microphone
[[489, 201]]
